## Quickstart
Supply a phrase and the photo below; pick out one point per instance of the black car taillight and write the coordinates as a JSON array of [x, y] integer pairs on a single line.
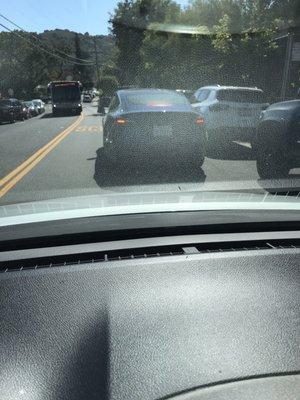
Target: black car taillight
[[121, 121], [199, 121]]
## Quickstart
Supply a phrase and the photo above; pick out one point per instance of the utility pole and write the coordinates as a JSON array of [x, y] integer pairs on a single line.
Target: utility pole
[[97, 61], [287, 63]]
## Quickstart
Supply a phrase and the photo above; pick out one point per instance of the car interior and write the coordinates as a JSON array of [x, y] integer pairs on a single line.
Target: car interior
[[172, 306]]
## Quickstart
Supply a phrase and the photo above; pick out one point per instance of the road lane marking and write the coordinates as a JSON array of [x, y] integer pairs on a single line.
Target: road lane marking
[[88, 128], [16, 175], [244, 144], [8, 177]]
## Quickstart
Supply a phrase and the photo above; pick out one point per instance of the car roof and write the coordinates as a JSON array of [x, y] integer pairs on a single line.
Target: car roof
[[289, 104], [219, 87]]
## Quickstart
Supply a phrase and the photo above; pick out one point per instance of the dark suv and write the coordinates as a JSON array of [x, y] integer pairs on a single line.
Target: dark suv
[[277, 144], [10, 110]]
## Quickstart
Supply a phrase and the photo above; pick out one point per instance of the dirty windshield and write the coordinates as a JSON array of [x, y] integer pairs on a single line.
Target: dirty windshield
[[117, 103]]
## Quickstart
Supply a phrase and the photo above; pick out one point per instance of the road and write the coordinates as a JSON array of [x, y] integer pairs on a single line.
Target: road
[[47, 158]]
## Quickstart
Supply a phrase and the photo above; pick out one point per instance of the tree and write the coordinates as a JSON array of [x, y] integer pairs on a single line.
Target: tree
[[129, 24], [82, 71], [108, 85]]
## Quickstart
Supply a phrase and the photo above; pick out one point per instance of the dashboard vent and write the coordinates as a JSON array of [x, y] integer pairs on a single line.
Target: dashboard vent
[[148, 252]]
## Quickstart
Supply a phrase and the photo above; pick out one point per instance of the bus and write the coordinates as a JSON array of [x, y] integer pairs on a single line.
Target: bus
[[66, 97]]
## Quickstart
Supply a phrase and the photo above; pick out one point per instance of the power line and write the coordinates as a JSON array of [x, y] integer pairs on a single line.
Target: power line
[[97, 62], [84, 63]]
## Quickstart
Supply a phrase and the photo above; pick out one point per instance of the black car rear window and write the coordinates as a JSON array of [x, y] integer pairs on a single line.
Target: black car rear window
[[5, 103], [241, 96], [156, 99]]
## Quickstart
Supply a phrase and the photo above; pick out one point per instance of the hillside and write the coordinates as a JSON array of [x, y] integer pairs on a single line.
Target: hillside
[[29, 60], [65, 40]]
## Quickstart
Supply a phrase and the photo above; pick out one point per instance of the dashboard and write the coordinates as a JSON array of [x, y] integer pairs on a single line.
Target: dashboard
[[199, 319]]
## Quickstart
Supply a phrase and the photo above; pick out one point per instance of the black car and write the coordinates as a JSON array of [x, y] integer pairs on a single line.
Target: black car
[[6, 111], [11, 110], [152, 121], [277, 144]]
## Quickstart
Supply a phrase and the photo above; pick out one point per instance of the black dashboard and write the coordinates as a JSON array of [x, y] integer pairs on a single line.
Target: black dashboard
[[197, 320]]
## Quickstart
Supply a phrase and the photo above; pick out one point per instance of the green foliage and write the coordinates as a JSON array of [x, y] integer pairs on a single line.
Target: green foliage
[[29, 59], [232, 42], [108, 85], [129, 25]]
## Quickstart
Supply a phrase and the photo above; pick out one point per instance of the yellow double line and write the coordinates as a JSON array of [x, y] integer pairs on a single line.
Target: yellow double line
[[10, 180]]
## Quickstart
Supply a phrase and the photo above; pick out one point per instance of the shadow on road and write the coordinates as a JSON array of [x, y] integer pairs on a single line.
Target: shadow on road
[[50, 115], [231, 151], [147, 170]]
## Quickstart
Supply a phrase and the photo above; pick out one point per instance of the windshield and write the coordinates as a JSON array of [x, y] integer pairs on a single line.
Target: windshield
[[65, 93], [130, 98]]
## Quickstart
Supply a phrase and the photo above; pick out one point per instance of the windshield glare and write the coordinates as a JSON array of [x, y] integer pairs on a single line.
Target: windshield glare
[[126, 98]]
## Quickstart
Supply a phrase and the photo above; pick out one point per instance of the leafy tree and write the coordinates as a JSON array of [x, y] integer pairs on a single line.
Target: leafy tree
[[108, 85], [232, 42], [129, 24], [28, 60]]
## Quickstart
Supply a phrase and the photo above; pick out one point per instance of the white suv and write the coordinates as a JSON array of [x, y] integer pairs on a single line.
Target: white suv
[[229, 112]]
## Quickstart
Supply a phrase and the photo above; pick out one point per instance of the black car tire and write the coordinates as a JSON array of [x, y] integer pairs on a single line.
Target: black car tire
[[197, 158], [272, 164], [12, 119], [110, 154], [271, 150]]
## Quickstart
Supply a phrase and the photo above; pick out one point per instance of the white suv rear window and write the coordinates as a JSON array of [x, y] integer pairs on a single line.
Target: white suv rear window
[[241, 96]]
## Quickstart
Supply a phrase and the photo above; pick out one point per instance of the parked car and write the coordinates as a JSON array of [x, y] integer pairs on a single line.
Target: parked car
[[33, 109], [40, 105], [277, 145], [6, 111], [230, 113], [11, 110], [87, 98], [103, 104], [152, 121], [25, 110], [46, 99]]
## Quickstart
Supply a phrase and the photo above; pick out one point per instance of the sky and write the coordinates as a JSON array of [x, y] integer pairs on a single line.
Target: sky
[[76, 15]]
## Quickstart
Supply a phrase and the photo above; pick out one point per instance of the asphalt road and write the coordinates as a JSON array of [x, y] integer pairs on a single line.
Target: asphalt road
[[47, 158]]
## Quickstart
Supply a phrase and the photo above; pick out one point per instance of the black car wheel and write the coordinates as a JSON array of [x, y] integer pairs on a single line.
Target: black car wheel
[[110, 154], [272, 163], [272, 152], [197, 158]]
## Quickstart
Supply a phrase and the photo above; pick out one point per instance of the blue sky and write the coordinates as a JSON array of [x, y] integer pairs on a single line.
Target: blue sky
[[77, 15]]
